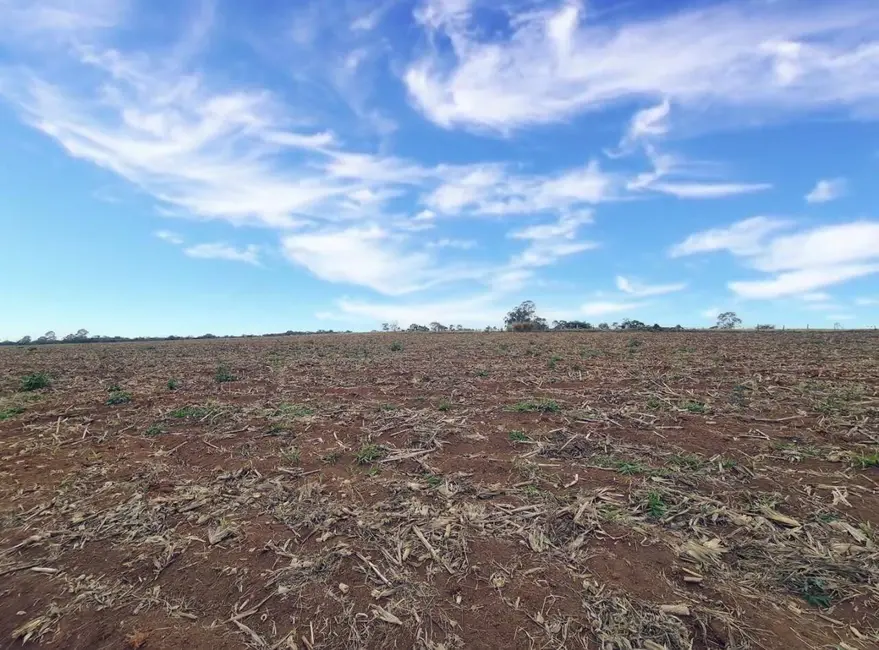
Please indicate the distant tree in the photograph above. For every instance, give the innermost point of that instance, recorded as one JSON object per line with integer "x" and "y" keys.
{"x": 524, "y": 313}
{"x": 415, "y": 327}
{"x": 81, "y": 334}
{"x": 603, "y": 327}
{"x": 437, "y": 327}
{"x": 728, "y": 320}
{"x": 765, "y": 327}
{"x": 48, "y": 337}
{"x": 24, "y": 340}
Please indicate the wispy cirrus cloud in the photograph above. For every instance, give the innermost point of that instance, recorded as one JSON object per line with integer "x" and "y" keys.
{"x": 637, "y": 289}
{"x": 223, "y": 251}
{"x": 553, "y": 63}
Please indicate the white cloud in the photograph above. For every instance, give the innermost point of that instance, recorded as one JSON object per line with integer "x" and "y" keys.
{"x": 476, "y": 311}
{"x": 800, "y": 281}
{"x": 565, "y": 228}
{"x": 742, "y": 238}
{"x": 821, "y": 247}
{"x": 634, "y": 288}
{"x": 711, "y": 313}
{"x": 168, "y": 236}
{"x": 548, "y": 65}
{"x": 836, "y": 317}
{"x": 461, "y": 244}
{"x": 603, "y": 308}
{"x": 818, "y": 296}
{"x": 221, "y": 251}
{"x": 827, "y": 190}
{"x": 648, "y": 123}
{"x": 694, "y": 190}
{"x": 866, "y": 302}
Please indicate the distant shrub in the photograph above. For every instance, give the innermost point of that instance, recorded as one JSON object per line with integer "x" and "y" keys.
{"x": 224, "y": 374}
{"x": 35, "y": 381}
{"x": 765, "y": 327}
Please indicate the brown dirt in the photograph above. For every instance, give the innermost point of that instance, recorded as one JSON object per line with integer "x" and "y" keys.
{"x": 670, "y": 490}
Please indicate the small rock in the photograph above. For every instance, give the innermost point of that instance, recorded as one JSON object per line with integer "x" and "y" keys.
{"x": 344, "y": 588}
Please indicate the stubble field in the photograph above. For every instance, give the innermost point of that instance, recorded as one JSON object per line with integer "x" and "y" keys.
{"x": 561, "y": 490}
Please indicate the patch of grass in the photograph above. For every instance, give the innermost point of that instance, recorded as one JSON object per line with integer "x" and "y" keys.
{"x": 814, "y": 591}
{"x": 553, "y": 361}
{"x": 433, "y": 480}
{"x": 589, "y": 353}
{"x": 728, "y": 463}
{"x": 35, "y": 381}
{"x": 374, "y": 471}
{"x": 292, "y": 455}
{"x": 444, "y": 405}
{"x": 634, "y": 344}
{"x": 293, "y": 411}
{"x": 387, "y": 407}
{"x": 531, "y": 491}
{"x": 628, "y": 468}
{"x": 695, "y": 407}
{"x": 519, "y": 436}
{"x": 656, "y": 507}
{"x": 686, "y": 461}
{"x": 654, "y": 403}
{"x": 863, "y": 461}
{"x": 173, "y": 384}
{"x": 369, "y": 454}
{"x": 191, "y": 412}
{"x": 331, "y": 457}
{"x": 482, "y": 373}
{"x": 154, "y": 430}
{"x": 10, "y": 412}
{"x": 224, "y": 374}
{"x": 396, "y": 346}
{"x": 118, "y": 397}
{"x": 536, "y": 406}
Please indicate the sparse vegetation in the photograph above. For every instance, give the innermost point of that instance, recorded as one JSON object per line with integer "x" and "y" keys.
{"x": 396, "y": 346}
{"x": 173, "y": 384}
{"x": 35, "y": 381}
{"x": 536, "y": 406}
{"x": 519, "y": 436}
{"x": 224, "y": 374}
{"x": 370, "y": 453}
{"x": 118, "y": 397}
{"x": 154, "y": 429}
{"x": 10, "y": 412}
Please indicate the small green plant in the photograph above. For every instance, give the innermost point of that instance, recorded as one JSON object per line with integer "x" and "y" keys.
{"x": 173, "y": 384}
{"x": 627, "y": 468}
{"x": 531, "y": 491}
{"x": 36, "y": 381}
{"x": 224, "y": 374}
{"x": 444, "y": 405}
{"x": 863, "y": 461}
{"x": 656, "y": 507}
{"x": 191, "y": 413}
{"x": 396, "y": 346}
{"x": 695, "y": 407}
{"x": 118, "y": 397}
{"x": 814, "y": 591}
{"x": 634, "y": 344}
{"x": 387, "y": 407}
{"x": 331, "y": 457}
{"x": 10, "y": 412}
{"x": 654, "y": 403}
{"x": 518, "y": 436}
{"x": 536, "y": 406}
{"x": 369, "y": 454}
{"x": 374, "y": 471}
{"x": 293, "y": 411}
{"x": 433, "y": 480}
{"x": 686, "y": 461}
{"x": 482, "y": 373}
{"x": 553, "y": 361}
{"x": 154, "y": 430}
{"x": 728, "y": 463}
{"x": 292, "y": 455}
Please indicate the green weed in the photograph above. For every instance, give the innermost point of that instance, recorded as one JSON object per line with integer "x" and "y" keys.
{"x": 695, "y": 407}
{"x": 331, "y": 457}
{"x": 191, "y": 412}
{"x": 154, "y": 430}
{"x": 292, "y": 455}
{"x": 293, "y": 411}
{"x": 369, "y": 454}
{"x": 118, "y": 397}
{"x": 173, "y": 384}
{"x": 656, "y": 507}
{"x": 10, "y": 412}
{"x": 518, "y": 436}
{"x": 444, "y": 405}
{"x": 36, "y": 381}
{"x": 224, "y": 374}
{"x": 553, "y": 361}
{"x": 863, "y": 461}
{"x": 396, "y": 346}
{"x": 536, "y": 406}
{"x": 433, "y": 480}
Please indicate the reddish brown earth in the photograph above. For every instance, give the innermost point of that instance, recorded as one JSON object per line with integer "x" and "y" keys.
{"x": 557, "y": 490}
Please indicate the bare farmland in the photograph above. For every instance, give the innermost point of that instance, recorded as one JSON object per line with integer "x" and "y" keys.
{"x": 619, "y": 491}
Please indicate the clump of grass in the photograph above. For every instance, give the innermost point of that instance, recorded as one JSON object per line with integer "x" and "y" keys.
{"x": 173, "y": 384}
{"x": 863, "y": 461}
{"x": 10, "y": 412}
{"x": 190, "y": 412}
{"x": 118, "y": 397}
{"x": 654, "y": 403}
{"x": 686, "y": 461}
{"x": 531, "y": 491}
{"x": 331, "y": 457}
{"x": 154, "y": 430}
{"x": 634, "y": 344}
{"x": 628, "y": 468}
{"x": 656, "y": 507}
{"x": 482, "y": 373}
{"x": 695, "y": 407}
{"x": 387, "y": 407}
{"x": 224, "y": 374}
{"x": 369, "y": 454}
{"x": 553, "y": 361}
{"x": 292, "y": 455}
{"x": 536, "y": 406}
{"x": 814, "y": 591}
{"x": 293, "y": 411}
{"x": 433, "y": 480}
{"x": 518, "y": 436}
{"x": 396, "y": 346}
{"x": 444, "y": 405}
{"x": 35, "y": 381}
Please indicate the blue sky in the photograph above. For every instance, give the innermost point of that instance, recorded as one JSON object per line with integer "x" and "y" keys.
{"x": 230, "y": 167}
